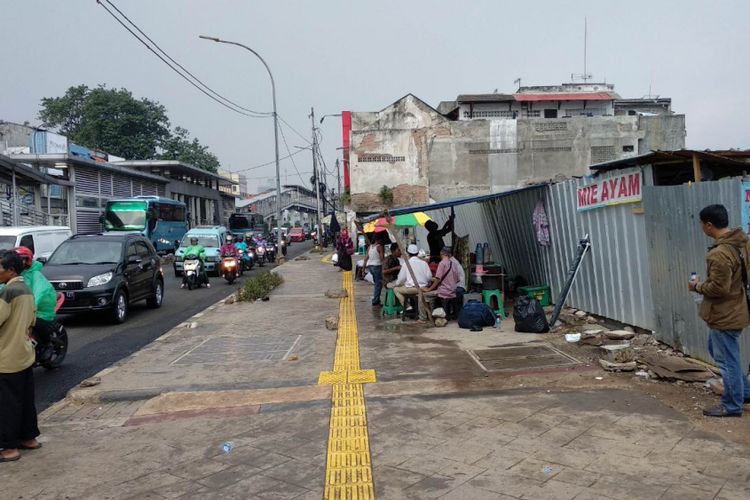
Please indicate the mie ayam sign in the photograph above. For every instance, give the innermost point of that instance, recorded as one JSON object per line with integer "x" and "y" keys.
{"x": 625, "y": 187}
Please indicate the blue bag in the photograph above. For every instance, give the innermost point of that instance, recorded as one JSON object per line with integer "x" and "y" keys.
{"x": 475, "y": 315}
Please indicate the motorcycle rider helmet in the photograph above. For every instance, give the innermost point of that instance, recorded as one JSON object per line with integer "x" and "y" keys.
{"x": 26, "y": 255}
{"x": 193, "y": 240}
{"x": 248, "y": 238}
{"x": 229, "y": 237}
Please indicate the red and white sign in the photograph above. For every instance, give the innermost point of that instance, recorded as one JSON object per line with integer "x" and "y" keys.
{"x": 624, "y": 187}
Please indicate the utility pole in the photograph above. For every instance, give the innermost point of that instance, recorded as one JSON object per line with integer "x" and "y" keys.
{"x": 315, "y": 174}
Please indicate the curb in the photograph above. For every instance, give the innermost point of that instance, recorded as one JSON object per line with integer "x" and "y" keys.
{"x": 83, "y": 395}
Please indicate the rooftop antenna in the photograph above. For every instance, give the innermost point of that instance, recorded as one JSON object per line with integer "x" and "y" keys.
{"x": 518, "y": 82}
{"x": 585, "y": 76}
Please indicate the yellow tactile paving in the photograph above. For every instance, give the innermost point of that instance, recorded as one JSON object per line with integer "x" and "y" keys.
{"x": 348, "y": 468}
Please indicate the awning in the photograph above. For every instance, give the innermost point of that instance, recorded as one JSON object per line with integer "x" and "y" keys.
{"x": 7, "y": 165}
{"x": 657, "y": 158}
{"x": 454, "y": 202}
{"x": 565, "y": 96}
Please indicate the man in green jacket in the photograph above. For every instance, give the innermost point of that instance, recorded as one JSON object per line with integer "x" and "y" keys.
{"x": 197, "y": 249}
{"x": 45, "y": 295}
{"x": 18, "y": 419}
{"x": 724, "y": 307}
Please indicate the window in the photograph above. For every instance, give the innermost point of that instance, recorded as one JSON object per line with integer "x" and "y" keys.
{"x": 28, "y": 242}
{"x": 628, "y": 148}
{"x": 169, "y": 212}
{"x": 132, "y": 250}
{"x": 550, "y": 113}
{"x": 142, "y": 250}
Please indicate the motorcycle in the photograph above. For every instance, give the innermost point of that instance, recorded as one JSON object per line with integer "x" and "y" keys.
{"x": 270, "y": 251}
{"x": 260, "y": 251}
{"x": 247, "y": 260}
{"x": 228, "y": 268}
{"x": 192, "y": 272}
{"x": 51, "y": 354}
{"x": 282, "y": 245}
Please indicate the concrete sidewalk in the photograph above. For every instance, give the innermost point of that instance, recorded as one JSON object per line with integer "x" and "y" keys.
{"x": 445, "y": 419}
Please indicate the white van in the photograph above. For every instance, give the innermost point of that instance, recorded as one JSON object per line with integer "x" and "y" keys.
{"x": 42, "y": 240}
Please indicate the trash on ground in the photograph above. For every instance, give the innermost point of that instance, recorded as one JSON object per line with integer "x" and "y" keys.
{"x": 716, "y": 385}
{"x": 293, "y": 357}
{"x": 91, "y": 382}
{"x": 642, "y": 374}
{"x": 673, "y": 367}
{"x": 529, "y": 316}
{"x": 547, "y": 470}
{"x": 227, "y": 447}
{"x": 617, "y": 367}
{"x": 439, "y": 312}
{"x": 599, "y": 378}
{"x": 337, "y": 294}
{"x": 572, "y": 337}
{"x": 332, "y": 322}
{"x": 441, "y": 322}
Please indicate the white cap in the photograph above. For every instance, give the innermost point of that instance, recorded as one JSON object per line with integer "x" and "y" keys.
{"x": 422, "y": 254}
{"x": 412, "y": 249}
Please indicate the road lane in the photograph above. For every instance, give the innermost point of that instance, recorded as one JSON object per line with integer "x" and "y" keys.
{"x": 95, "y": 343}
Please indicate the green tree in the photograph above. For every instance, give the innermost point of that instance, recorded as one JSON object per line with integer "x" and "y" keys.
{"x": 110, "y": 120}
{"x": 179, "y": 147}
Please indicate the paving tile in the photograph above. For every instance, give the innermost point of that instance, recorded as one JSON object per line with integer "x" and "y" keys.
{"x": 734, "y": 468}
{"x": 504, "y": 482}
{"x": 197, "y": 469}
{"x": 462, "y": 451}
{"x": 261, "y": 487}
{"x": 145, "y": 483}
{"x": 536, "y": 469}
{"x": 426, "y": 465}
{"x": 647, "y": 472}
{"x": 553, "y": 490}
{"x": 299, "y": 473}
{"x": 434, "y": 486}
{"x": 577, "y": 477}
{"x": 390, "y": 482}
{"x": 682, "y": 492}
{"x": 626, "y": 488}
{"x": 251, "y": 456}
{"x": 228, "y": 476}
{"x": 734, "y": 491}
{"x": 468, "y": 492}
{"x": 461, "y": 470}
{"x": 181, "y": 488}
{"x": 501, "y": 458}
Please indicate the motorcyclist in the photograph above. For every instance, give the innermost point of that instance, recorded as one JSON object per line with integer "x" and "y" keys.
{"x": 45, "y": 295}
{"x": 197, "y": 250}
{"x": 242, "y": 245}
{"x": 228, "y": 248}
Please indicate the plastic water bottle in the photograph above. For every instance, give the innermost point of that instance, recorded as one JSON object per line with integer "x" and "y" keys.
{"x": 227, "y": 447}
{"x": 497, "y": 322}
{"x": 698, "y": 298}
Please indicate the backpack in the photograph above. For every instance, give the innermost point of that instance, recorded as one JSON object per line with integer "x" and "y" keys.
{"x": 474, "y": 315}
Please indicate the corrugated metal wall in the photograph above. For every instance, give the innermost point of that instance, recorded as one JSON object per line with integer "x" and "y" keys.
{"x": 677, "y": 247}
{"x": 614, "y": 279}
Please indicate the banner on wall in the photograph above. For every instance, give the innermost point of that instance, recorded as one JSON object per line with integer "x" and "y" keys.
{"x": 623, "y": 186}
{"x": 745, "y": 206}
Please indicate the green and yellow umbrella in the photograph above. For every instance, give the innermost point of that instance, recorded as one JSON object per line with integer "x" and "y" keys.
{"x": 405, "y": 220}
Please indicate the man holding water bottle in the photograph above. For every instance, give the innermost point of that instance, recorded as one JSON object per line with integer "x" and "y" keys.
{"x": 724, "y": 307}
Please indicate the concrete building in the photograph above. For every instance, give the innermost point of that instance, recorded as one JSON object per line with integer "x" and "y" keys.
{"x": 238, "y": 188}
{"x": 208, "y": 196}
{"x": 487, "y": 143}
{"x": 298, "y": 204}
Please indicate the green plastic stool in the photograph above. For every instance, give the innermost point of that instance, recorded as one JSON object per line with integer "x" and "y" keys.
{"x": 391, "y": 306}
{"x": 487, "y": 298}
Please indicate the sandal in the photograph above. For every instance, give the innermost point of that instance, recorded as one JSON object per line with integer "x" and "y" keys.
{"x": 31, "y": 448}
{"x": 14, "y": 459}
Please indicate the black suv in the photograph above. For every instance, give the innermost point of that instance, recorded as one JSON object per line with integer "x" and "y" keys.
{"x": 106, "y": 272}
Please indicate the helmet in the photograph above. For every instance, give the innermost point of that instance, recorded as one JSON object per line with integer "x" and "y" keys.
{"x": 193, "y": 240}
{"x": 248, "y": 237}
{"x": 229, "y": 238}
{"x": 26, "y": 255}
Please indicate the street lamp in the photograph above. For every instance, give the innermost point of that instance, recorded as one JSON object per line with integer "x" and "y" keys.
{"x": 275, "y": 130}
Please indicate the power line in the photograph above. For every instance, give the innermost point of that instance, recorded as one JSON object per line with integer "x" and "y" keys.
{"x": 232, "y": 106}
{"x": 281, "y": 129}
{"x": 270, "y": 162}
{"x": 294, "y": 130}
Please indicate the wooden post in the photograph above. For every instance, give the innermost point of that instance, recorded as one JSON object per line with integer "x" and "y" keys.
{"x": 420, "y": 293}
{"x": 696, "y": 168}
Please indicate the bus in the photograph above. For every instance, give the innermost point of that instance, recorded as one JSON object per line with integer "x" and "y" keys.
{"x": 162, "y": 220}
{"x": 240, "y": 223}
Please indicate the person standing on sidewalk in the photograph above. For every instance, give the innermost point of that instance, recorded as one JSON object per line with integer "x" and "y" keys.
{"x": 18, "y": 419}
{"x": 725, "y": 306}
{"x": 374, "y": 264}
{"x": 344, "y": 250}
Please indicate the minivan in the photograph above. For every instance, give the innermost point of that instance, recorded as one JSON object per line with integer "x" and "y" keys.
{"x": 42, "y": 240}
{"x": 211, "y": 238}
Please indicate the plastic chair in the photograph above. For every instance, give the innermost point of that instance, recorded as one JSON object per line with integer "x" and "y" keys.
{"x": 391, "y": 307}
{"x": 494, "y": 299}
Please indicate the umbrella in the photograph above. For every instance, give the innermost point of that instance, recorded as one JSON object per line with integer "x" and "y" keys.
{"x": 405, "y": 220}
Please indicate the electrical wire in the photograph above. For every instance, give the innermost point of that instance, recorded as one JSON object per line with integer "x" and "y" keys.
{"x": 207, "y": 90}
{"x": 255, "y": 167}
{"x": 294, "y": 130}
{"x": 283, "y": 137}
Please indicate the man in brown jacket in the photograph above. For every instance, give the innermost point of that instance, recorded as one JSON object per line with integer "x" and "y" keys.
{"x": 18, "y": 421}
{"x": 724, "y": 307}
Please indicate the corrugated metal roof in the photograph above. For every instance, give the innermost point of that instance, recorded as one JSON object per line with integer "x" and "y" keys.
{"x": 680, "y": 155}
{"x": 565, "y": 96}
{"x": 485, "y": 98}
{"x": 453, "y": 202}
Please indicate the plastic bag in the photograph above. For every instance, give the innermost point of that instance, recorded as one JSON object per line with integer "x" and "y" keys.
{"x": 369, "y": 278}
{"x": 335, "y": 259}
{"x": 474, "y": 315}
{"x": 529, "y": 316}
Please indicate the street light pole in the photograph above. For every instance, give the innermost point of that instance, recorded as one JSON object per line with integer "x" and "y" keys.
{"x": 275, "y": 131}
{"x": 316, "y": 176}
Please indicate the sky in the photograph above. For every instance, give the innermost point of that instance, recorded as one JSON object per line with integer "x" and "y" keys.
{"x": 337, "y": 55}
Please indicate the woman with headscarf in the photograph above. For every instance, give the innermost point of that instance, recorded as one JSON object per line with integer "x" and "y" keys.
{"x": 345, "y": 250}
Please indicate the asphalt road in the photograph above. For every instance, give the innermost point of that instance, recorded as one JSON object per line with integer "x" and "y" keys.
{"x": 95, "y": 343}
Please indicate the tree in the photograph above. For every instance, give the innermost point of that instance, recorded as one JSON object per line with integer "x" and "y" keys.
{"x": 179, "y": 147}
{"x": 112, "y": 120}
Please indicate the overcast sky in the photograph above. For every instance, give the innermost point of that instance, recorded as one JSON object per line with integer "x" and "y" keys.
{"x": 344, "y": 55}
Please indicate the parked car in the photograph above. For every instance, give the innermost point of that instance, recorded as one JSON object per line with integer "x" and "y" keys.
{"x": 211, "y": 238}
{"x": 42, "y": 240}
{"x": 296, "y": 234}
{"x": 106, "y": 272}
